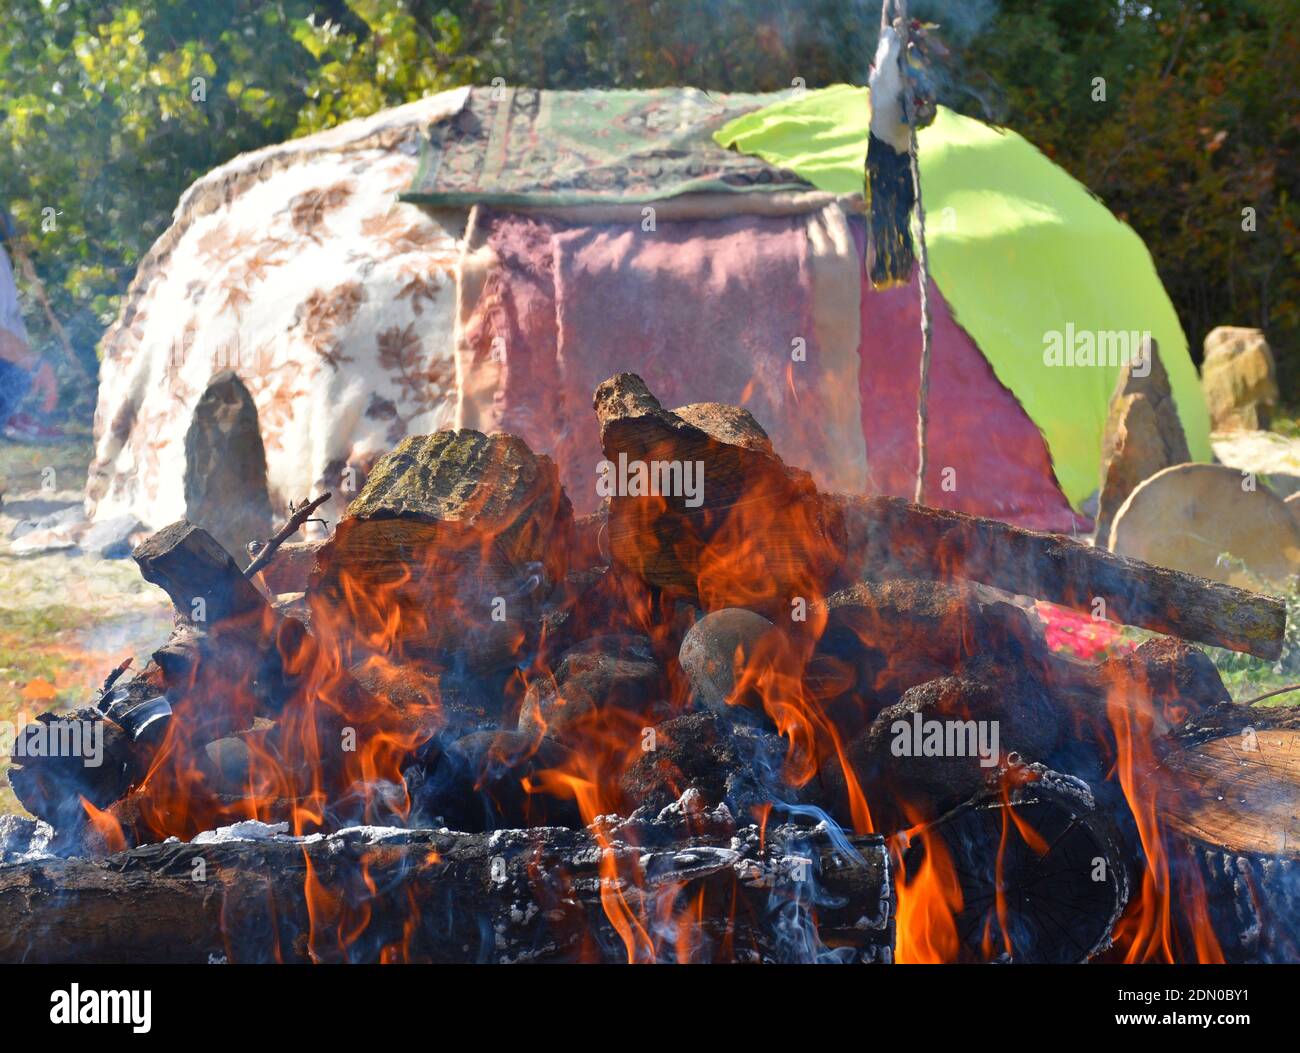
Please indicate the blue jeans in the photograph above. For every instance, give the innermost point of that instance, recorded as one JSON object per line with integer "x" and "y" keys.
{"x": 15, "y": 382}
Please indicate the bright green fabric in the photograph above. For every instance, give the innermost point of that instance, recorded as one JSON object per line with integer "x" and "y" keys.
{"x": 1018, "y": 247}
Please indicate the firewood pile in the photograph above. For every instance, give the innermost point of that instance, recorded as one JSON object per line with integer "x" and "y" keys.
{"x": 726, "y": 718}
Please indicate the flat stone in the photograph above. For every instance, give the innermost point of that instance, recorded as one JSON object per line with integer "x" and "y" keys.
{"x": 111, "y": 538}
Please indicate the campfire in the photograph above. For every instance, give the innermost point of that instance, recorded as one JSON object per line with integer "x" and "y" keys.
{"x": 728, "y": 717}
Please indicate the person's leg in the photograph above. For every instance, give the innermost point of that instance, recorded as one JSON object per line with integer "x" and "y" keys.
{"x": 15, "y": 382}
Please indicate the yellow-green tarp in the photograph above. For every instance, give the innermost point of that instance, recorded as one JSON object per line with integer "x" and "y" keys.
{"x": 1020, "y": 249}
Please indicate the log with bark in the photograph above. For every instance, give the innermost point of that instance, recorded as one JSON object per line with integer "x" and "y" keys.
{"x": 447, "y": 551}
{"x": 1230, "y": 798}
{"x": 711, "y": 893}
{"x": 761, "y": 535}
{"x": 888, "y": 537}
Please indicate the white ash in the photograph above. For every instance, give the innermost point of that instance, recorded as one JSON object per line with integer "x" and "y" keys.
{"x": 24, "y": 840}
{"x": 248, "y": 830}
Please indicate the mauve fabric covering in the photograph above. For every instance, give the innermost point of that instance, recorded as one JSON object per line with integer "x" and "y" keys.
{"x": 704, "y": 311}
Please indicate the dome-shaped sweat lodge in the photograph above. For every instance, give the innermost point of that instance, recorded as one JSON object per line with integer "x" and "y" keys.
{"x": 485, "y": 257}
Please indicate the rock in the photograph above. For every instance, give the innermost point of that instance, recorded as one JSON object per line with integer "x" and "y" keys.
{"x": 1293, "y": 503}
{"x": 1274, "y": 458}
{"x": 66, "y": 519}
{"x": 1187, "y": 516}
{"x": 111, "y": 538}
{"x": 714, "y": 649}
{"x": 601, "y": 673}
{"x": 225, "y": 468}
{"x": 1143, "y": 433}
{"x": 39, "y": 542}
{"x": 1239, "y": 378}
{"x": 57, "y": 530}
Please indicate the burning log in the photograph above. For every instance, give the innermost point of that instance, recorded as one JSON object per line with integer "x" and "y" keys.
{"x": 702, "y": 507}
{"x": 892, "y": 635}
{"x": 708, "y": 755}
{"x": 95, "y": 761}
{"x": 889, "y": 537}
{"x": 524, "y": 896}
{"x": 202, "y": 579}
{"x": 1035, "y": 871}
{"x": 754, "y": 533}
{"x": 291, "y": 569}
{"x": 449, "y": 547}
{"x": 938, "y": 745}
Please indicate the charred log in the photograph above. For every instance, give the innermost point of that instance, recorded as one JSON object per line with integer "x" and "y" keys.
{"x": 526, "y": 895}
{"x": 1042, "y": 872}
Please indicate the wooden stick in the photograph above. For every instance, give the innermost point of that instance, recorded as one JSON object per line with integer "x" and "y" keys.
{"x": 888, "y": 537}
{"x": 1271, "y": 694}
{"x": 300, "y": 516}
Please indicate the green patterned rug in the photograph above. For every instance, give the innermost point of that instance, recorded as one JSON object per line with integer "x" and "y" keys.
{"x": 516, "y": 147}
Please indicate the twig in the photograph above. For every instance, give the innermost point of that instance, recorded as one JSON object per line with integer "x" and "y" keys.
{"x": 37, "y": 289}
{"x": 1269, "y": 694}
{"x": 299, "y": 516}
{"x": 114, "y": 676}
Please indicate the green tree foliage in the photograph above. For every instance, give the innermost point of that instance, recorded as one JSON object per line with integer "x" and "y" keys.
{"x": 99, "y": 119}
{"x": 109, "y": 110}
{"x": 1200, "y": 121}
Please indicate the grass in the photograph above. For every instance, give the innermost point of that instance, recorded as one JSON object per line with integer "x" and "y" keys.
{"x": 60, "y": 466}
{"x": 1246, "y": 677}
{"x": 1286, "y": 423}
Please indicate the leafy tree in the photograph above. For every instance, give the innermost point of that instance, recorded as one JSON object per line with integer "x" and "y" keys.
{"x": 396, "y": 58}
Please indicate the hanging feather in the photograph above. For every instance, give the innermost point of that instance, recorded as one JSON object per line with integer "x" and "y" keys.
{"x": 902, "y": 100}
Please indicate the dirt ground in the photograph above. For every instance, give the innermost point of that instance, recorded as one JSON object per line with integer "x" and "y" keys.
{"x": 65, "y": 620}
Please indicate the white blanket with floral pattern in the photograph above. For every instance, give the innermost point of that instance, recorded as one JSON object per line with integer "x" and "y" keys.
{"x": 297, "y": 267}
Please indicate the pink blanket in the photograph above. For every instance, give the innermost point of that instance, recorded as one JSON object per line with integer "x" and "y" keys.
{"x": 715, "y": 310}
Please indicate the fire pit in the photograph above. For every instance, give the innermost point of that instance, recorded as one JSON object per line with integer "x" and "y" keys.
{"x": 726, "y": 718}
